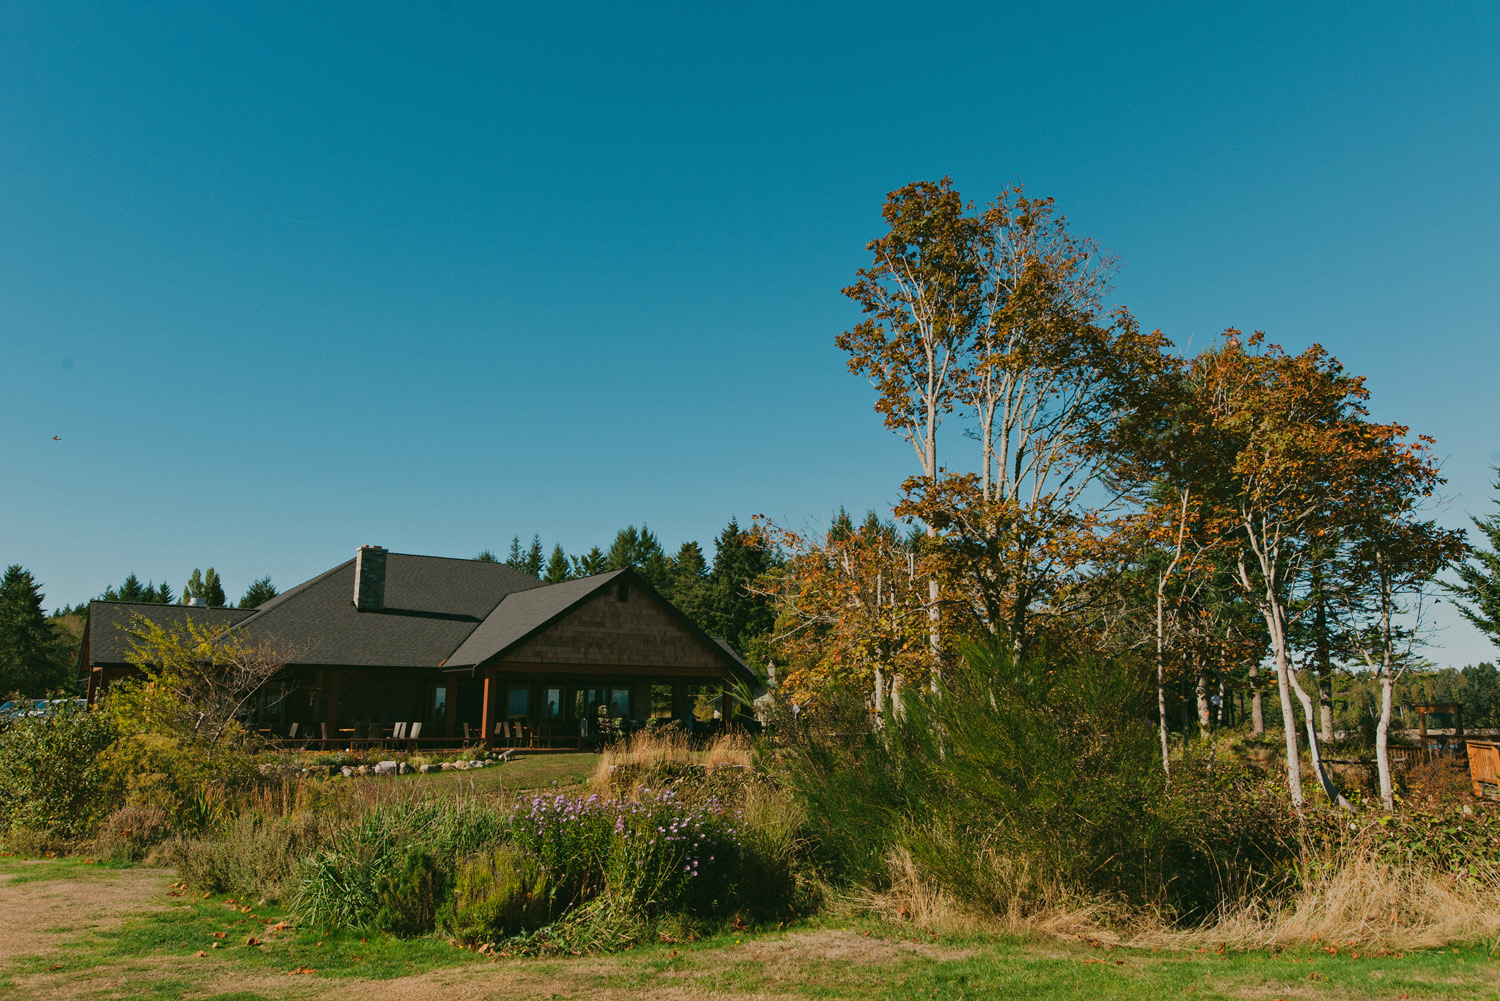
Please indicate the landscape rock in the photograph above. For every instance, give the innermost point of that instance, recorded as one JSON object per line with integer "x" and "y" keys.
{"x": 385, "y": 768}
{"x": 459, "y": 766}
{"x": 362, "y": 770}
{"x": 424, "y": 769}
{"x": 403, "y": 769}
{"x": 347, "y": 772}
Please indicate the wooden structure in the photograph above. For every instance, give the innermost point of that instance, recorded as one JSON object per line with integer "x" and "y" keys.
{"x": 1484, "y": 768}
{"x": 1453, "y": 709}
{"x": 467, "y": 651}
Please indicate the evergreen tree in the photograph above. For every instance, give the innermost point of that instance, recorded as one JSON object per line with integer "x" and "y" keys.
{"x": 515, "y": 557}
{"x": 640, "y": 550}
{"x": 206, "y": 587}
{"x": 29, "y": 662}
{"x": 731, "y": 609}
{"x": 133, "y": 590}
{"x": 259, "y": 592}
{"x": 557, "y": 567}
{"x": 487, "y": 556}
{"x": 532, "y": 563}
{"x": 1478, "y": 587}
{"x": 591, "y": 563}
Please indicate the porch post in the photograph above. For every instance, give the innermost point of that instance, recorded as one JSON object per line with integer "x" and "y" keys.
{"x": 450, "y": 712}
{"x": 331, "y": 696}
{"x": 489, "y": 716}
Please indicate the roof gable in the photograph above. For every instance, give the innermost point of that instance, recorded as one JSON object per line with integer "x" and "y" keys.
{"x": 582, "y": 622}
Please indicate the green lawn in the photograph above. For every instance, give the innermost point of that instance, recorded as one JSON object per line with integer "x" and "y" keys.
{"x": 536, "y": 771}
{"x": 152, "y": 952}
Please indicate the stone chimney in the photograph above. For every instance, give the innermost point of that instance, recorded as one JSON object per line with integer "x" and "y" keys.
{"x": 369, "y": 578}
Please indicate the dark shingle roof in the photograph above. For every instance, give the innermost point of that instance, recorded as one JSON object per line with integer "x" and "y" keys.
{"x": 110, "y": 621}
{"x": 431, "y": 604}
{"x": 438, "y": 611}
{"x": 519, "y": 615}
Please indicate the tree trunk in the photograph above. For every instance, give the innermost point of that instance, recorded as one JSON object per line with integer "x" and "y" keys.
{"x": 1325, "y": 705}
{"x": 1319, "y": 769}
{"x": 1257, "y": 705}
{"x": 1325, "y": 667}
{"x": 1382, "y": 743}
{"x": 1205, "y": 719}
{"x": 879, "y": 695}
{"x": 1161, "y": 686}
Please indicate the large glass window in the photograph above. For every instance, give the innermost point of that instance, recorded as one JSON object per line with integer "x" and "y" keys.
{"x": 438, "y": 704}
{"x": 517, "y": 701}
{"x": 619, "y": 702}
{"x": 705, "y": 701}
{"x": 552, "y": 703}
{"x": 661, "y": 701}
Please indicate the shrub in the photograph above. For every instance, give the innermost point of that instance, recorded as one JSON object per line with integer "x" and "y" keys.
{"x": 350, "y": 882}
{"x": 249, "y": 857}
{"x": 52, "y": 783}
{"x": 411, "y": 894}
{"x": 161, "y": 770}
{"x": 1020, "y": 784}
{"x": 500, "y": 893}
{"x": 131, "y": 832}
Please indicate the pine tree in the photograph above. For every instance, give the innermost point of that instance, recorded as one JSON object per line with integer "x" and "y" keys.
{"x": 591, "y": 563}
{"x": 1478, "y": 587}
{"x": 259, "y": 592}
{"x": 487, "y": 556}
{"x": 641, "y": 551}
{"x": 28, "y": 656}
{"x": 532, "y": 562}
{"x": 557, "y": 567}
{"x": 515, "y": 557}
{"x": 732, "y": 611}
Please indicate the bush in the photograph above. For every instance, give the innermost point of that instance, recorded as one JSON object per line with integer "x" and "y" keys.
{"x": 51, "y": 782}
{"x": 1018, "y": 785}
{"x": 249, "y": 857}
{"x": 178, "y": 777}
{"x": 353, "y": 881}
{"x": 499, "y": 893}
{"x": 131, "y": 832}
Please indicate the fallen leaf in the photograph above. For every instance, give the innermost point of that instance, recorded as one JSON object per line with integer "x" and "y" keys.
{"x": 252, "y": 940}
{"x": 219, "y": 934}
{"x": 200, "y": 952}
{"x": 300, "y": 969}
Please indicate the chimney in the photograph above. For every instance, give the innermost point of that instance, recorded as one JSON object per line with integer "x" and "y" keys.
{"x": 369, "y": 578}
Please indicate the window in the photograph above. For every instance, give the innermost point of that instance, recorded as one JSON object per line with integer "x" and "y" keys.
{"x": 552, "y": 703}
{"x": 661, "y": 701}
{"x": 705, "y": 701}
{"x": 619, "y": 702}
{"x": 622, "y": 591}
{"x": 517, "y": 701}
{"x": 438, "y": 704}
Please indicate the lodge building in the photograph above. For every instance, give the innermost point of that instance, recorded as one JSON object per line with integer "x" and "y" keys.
{"x": 462, "y": 646}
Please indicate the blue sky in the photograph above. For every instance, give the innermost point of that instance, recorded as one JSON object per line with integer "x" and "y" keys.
{"x": 287, "y": 279}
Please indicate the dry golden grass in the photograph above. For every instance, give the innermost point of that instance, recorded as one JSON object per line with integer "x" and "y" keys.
{"x": 1360, "y": 901}
{"x": 1364, "y": 900}
{"x": 654, "y": 753}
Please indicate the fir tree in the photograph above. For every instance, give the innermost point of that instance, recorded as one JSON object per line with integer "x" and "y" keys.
{"x": 487, "y": 556}
{"x": 1478, "y": 587}
{"x": 558, "y": 569}
{"x": 591, "y": 563}
{"x": 259, "y": 592}
{"x": 532, "y": 562}
{"x": 29, "y": 662}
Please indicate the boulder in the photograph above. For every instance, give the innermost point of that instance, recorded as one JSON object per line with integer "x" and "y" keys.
{"x": 385, "y": 768}
{"x": 403, "y": 769}
{"x": 460, "y": 766}
{"x": 362, "y": 770}
{"x": 424, "y": 769}
{"x": 347, "y": 772}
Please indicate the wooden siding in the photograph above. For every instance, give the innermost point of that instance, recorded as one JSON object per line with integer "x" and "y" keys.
{"x": 607, "y": 632}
